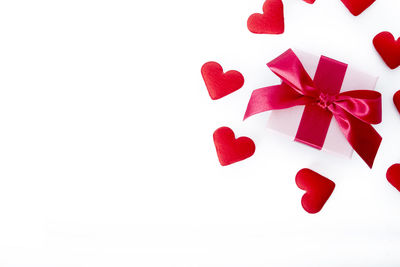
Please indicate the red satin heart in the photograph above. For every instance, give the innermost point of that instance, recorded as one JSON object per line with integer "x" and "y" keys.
{"x": 309, "y": 1}
{"x": 388, "y": 48}
{"x": 231, "y": 150}
{"x": 318, "y": 189}
{"x": 356, "y": 7}
{"x": 396, "y": 100}
{"x": 218, "y": 83}
{"x": 271, "y": 21}
{"x": 393, "y": 176}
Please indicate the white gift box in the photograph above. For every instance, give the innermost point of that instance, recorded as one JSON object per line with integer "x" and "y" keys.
{"x": 287, "y": 121}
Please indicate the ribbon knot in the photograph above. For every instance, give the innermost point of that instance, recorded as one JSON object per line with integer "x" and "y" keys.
{"x": 325, "y": 100}
{"x": 354, "y": 111}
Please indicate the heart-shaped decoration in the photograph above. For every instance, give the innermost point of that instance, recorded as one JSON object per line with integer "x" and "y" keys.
{"x": 218, "y": 83}
{"x": 231, "y": 150}
{"x": 356, "y": 7}
{"x": 309, "y": 1}
{"x": 271, "y": 21}
{"x": 318, "y": 189}
{"x": 388, "y": 48}
{"x": 393, "y": 176}
{"x": 396, "y": 100}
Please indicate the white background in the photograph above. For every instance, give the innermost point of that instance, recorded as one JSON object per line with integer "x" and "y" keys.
{"x": 106, "y": 152}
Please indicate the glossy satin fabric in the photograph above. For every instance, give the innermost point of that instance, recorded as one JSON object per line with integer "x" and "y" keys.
{"x": 354, "y": 111}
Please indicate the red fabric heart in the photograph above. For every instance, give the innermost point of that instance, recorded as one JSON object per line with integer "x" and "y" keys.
{"x": 356, "y": 7}
{"x": 388, "y": 48}
{"x": 318, "y": 189}
{"x": 218, "y": 83}
{"x": 231, "y": 150}
{"x": 309, "y": 1}
{"x": 271, "y": 21}
{"x": 393, "y": 175}
{"x": 396, "y": 100}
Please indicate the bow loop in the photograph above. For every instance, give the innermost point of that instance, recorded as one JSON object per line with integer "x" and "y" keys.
{"x": 362, "y": 104}
{"x": 291, "y": 71}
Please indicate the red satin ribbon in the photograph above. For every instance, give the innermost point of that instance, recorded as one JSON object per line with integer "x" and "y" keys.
{"x": 354, "y": 111}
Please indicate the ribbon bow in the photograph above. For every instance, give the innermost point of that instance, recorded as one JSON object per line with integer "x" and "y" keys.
{"x": 354, "y": 111}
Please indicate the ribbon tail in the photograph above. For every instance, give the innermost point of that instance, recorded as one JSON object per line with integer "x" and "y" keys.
{"x": 364, "y": 139}
{"x": 274, "y": 97}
